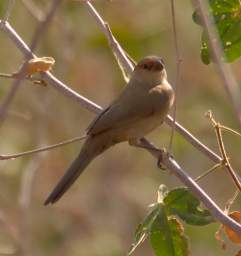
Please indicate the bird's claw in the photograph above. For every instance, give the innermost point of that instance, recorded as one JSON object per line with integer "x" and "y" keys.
{"x": 163, "y": 154}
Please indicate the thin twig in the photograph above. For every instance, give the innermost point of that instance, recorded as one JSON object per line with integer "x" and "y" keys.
{"x": 41, "y": 149}
{"x": 216, "y": 166}
{"x": 10, "y": 6}
{"x": 28, "y": 78}
{"x": 227, "y": 129}
{"x": 222, "y": 150}
{"x": 231, "y": 201}
{"x": 225, "y": 72}
{"x": 178, "y": 69}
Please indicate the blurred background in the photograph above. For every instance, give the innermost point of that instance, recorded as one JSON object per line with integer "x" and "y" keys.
{"x": 99, "y": 214}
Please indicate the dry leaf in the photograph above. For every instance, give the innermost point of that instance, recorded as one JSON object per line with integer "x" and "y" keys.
{"x": 232, "y": 235}
{"x": 36, "y": 65}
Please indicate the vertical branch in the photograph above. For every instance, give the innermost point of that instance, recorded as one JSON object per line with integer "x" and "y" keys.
{"x": 229, "y": 82}
{"x": 26, "y": 187}
{"x": 178, "y": 67}
{"x": 24, "y": 203}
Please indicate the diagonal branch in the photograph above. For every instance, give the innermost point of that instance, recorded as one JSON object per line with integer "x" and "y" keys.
{"x": 91, "y": 106}
{"x": 170, "y": 164}
{"x": 174, "y": 167}
{"x": 115, "y": 47}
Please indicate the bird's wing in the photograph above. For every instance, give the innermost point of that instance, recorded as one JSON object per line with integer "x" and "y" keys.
{"x": 125, "y": 110}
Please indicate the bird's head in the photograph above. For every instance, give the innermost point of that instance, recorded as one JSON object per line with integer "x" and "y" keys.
{"x": 150, "y": 70}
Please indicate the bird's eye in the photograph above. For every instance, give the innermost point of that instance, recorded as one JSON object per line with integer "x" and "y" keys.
{"x": 145, "y": 66}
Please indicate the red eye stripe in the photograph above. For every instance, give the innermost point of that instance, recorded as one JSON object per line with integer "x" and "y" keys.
{"x": 147, "y": 64}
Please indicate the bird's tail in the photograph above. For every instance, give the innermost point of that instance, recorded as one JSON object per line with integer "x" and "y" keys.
{"x": 91, "y": 148}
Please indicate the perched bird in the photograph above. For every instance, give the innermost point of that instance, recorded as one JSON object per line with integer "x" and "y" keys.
{"x": 140, "y": 108}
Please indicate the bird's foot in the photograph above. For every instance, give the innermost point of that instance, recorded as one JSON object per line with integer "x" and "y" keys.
{"x": 163, "y": 155}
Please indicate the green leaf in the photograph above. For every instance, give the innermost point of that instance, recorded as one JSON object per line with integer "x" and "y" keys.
{"x": 182, "y": 203}
{"x": 143, "y": 229}
{"x": 227, "y": 18}
{"x": 167, "y": 237}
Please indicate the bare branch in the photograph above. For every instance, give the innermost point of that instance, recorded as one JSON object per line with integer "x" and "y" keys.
{"x": 178, "y": 69}
{"x": 42, "y": 149}
{"x": 225, "y": 72}
{"x": 91, "y": 106}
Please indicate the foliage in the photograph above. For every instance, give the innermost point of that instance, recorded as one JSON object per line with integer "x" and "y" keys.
{"x": 161, "y": 225}
{"x": 227, "y": 18}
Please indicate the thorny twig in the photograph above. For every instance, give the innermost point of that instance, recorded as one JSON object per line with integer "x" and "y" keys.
{"x": 225, "y": 162}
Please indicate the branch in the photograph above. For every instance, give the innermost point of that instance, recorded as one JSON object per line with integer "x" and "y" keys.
{"x": 41, "y": 149}
{"x": 174, "y": 167}
{"x": 91, "y": 106}
{"x": 178, "y": 69}
{"x": 16, "y": 84}
{"x": 222, "y": 150}
{"x": 95, "y": 108}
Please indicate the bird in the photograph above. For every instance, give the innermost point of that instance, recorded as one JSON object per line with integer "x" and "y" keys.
{"x": 141, "y": 107}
